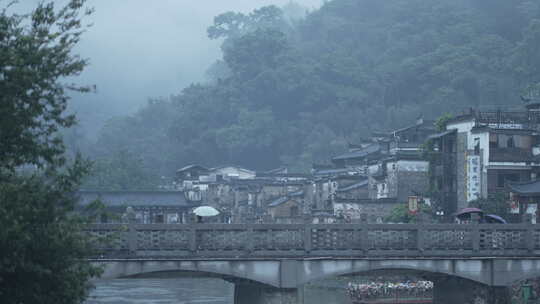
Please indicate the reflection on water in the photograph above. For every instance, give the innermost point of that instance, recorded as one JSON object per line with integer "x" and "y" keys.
{"x": 197, "y": 291}
{"x": 328, "y": 291}
{"x": 162, "y": 291}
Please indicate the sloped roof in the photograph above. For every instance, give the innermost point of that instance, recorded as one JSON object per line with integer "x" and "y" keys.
{"x": 371, "y": 149}
{"x": 239, "y": 168}
{"x": 439, "y": 135}
{"x": 279, "y": 201}
{"x": 361, "y": 184}
{"x": 531, "y": 188}
{"x": 192, "y": 166}
{"x": 296, "y": 193}
{"x": 426, "y": 125}
{"x": 332, "y": 171}
{"x": 286, "y": 198}
{"x": 134, "y": 198}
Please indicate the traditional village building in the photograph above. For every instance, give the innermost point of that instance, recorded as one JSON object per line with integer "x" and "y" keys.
{"x": 442, "y": 156}
{"x": 232, "y": 172}
{"x": 394, "y": 168}
{"x": 242, "y": 195}
{"x": 288, "y": 209}
{"x": 359, "y": 157}
{"x": 145, "y": 207}
{"x": 357, "y": 190}
{"x": 351, "y": 210}
{"x": 191, "y": 173}
{"x": 481, "y": 152}
{"x": 524, "y": 199}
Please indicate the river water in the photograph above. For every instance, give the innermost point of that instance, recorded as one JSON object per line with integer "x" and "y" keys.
{"x": 192, "y": 291}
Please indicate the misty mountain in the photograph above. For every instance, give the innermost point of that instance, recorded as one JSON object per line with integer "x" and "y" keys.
{"x": 296, "y": 92}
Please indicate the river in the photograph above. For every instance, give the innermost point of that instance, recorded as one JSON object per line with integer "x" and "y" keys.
{"x": 191, "y": 291}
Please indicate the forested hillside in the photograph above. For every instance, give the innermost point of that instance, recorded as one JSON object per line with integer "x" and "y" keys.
{"x": 293, "y": 92}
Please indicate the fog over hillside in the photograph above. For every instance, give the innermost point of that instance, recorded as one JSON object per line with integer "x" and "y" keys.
{"x": 139, "y": 51}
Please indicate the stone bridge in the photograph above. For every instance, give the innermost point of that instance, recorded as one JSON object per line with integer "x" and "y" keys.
{"x": 269, "y": 263}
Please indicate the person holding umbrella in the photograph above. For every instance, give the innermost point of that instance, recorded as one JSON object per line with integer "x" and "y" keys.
{"x": 464, "y": 216}
{"x": 204, "y": 211}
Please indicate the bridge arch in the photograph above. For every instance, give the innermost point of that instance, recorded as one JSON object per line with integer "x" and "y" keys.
{"x": 293, "y": 273}
{"x": 263, "y": 272}
{"x": 465, "y": 269}
{"x": 514, "y": 270}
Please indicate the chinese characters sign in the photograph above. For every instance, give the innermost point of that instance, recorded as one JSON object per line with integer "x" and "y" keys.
{"x": 473, "y": 177}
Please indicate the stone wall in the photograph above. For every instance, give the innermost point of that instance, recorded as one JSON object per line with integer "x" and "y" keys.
{"x": 411, "y": 183}
{"x": 285, "y": 209}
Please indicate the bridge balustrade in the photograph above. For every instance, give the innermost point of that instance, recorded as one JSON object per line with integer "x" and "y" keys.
{"x": 314, "y": 240}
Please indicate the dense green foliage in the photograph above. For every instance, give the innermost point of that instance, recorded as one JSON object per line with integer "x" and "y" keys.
{"x": 496, "y": 204}
{"x": 293, "y": 93}
{"x": 42, "y": 246}
{"x": 400, "y": 214}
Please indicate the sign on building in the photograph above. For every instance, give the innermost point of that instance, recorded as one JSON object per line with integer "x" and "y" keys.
{"x": 413, "y": 204}
{"x": 473, "y": 177}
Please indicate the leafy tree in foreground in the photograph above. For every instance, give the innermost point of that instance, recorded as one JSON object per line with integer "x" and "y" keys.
{"x": 42, "y": 246}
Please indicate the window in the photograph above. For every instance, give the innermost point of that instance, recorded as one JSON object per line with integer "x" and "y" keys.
{"x": 294, "y": 211}
{"x": 450, "y": 146}
{"x": 510, "y": 142}
{"x": 493, "y": 141}
{"x": 503, "y": 178}
{"x": 477, "y": 146}
{"x": 159, "y": 218}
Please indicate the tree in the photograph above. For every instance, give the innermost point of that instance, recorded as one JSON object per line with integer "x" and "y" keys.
{"x": 35, "y": 59}
{"x": 441, "y": 121}
{"x": 43, "y": 246}
{"x": 496, "y": 204}
{"x": 400, "y": 213}
{"x": 122, "y": 171}
{"x": 345, "y": 70}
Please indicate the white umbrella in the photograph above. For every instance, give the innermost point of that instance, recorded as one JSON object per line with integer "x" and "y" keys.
{"x": 205, "y": 211}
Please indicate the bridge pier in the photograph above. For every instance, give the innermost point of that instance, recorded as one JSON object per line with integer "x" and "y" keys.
{"x": 254, "y": 293}
{"x": 452, "y": 290}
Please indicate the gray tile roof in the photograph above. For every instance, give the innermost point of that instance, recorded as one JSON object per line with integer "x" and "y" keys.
{"x": 359, "y": 153}
{"x": 531, "y": 188}
{"x": 286, "y": 198}
{"x": 135, "y": 198}
{"x": 192, "y": 166}
{"x": 361, "y": 184}
{"x": 439, "y": 135}
{"x": 278, "y": 201}
{"x": 331, "y": 171}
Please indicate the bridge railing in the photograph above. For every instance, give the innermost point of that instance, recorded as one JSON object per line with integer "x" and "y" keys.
{"x": 317, "y": 240}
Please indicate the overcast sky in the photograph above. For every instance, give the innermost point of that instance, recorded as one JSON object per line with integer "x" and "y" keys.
{"x": 140, "y": 48}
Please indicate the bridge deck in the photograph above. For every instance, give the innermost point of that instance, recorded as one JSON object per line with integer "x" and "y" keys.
{"x": 315, "y": 241}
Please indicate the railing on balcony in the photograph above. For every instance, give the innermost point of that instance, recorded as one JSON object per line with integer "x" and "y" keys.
{"x": 508, "y": 118}
{"x": 314, "y": 240}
